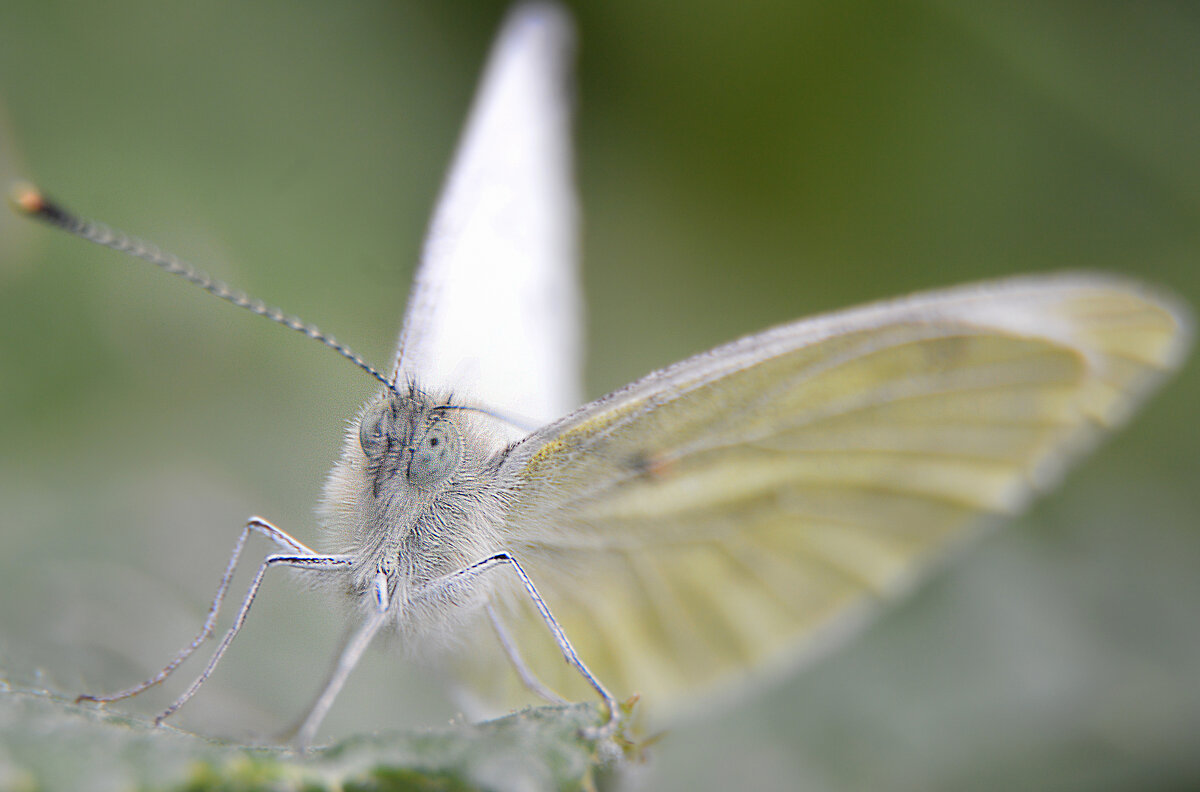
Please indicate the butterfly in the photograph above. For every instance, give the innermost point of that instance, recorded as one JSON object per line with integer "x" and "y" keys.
{"x": 736, "y": 511}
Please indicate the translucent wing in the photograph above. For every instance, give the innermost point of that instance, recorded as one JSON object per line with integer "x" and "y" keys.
{"x": 494, "y": 314}
{"x": 736, "y": 509}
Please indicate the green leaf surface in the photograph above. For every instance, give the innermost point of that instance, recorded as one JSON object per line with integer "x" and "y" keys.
{"x": 49, "y": 743}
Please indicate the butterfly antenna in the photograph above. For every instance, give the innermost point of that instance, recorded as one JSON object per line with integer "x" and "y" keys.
{"x": 28, "y": 200}
{"x": 524, "y": 424}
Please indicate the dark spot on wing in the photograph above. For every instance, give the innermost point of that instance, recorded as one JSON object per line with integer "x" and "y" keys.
{"x": 652, "y": 466}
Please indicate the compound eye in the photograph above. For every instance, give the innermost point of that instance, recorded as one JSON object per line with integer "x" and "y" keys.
{"x": 435, "y": 454}
{"x": 373, "y": 428}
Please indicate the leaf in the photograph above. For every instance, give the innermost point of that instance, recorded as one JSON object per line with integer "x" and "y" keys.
{"x": 49, "y": 743}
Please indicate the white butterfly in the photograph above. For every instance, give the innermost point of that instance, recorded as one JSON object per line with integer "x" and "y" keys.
{"x": 736, "y": 510}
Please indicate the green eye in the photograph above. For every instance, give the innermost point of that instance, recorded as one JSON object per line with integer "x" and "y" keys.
{"x": 373, "y": 428}
{"x": 435, "y": 454}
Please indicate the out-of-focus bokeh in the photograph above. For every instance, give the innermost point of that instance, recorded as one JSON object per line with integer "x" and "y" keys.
{"x": 740, "y": 165}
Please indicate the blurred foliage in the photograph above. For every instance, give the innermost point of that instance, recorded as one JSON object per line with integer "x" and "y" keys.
{"x": 740, "y": 166}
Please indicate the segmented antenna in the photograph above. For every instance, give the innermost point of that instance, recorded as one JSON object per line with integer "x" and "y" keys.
{"x": 29, "y": 201}
{"x": 524, "y": 424}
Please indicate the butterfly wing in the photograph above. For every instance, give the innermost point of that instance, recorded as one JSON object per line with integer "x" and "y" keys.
{"x": 735, "y": 510}
{"x": 494, "y": 313}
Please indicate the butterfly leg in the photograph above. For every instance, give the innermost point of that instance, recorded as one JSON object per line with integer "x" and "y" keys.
{"x": 347, "y": 660}
{"x": 305, "y": 561}
{"x": 514, "y": 656}
{"x": 463, "y": 578}
{"x": 253, "y": 525}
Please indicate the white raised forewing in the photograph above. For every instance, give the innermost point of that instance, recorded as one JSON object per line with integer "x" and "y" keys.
{"x": 734, "y": 510}
{"x": 495, "y": 314}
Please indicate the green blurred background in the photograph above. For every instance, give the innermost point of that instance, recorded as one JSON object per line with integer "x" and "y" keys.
{"x": 740, "y": 166}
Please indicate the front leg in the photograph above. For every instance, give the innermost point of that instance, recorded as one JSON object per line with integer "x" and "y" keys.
{"x": 296, "y": 553}
{"x": 465, "y": 578}
{"x": 313, "y": 562}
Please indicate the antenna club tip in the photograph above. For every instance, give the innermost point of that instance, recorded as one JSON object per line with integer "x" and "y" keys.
{"x": 26, "y": 199}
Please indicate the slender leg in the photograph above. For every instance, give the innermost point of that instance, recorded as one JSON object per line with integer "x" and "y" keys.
{"x": 347, "y": 660}
{"x": 346, "y": 663}
{"x": 463, "y": 579}
{"x": 306, "y": 561}
{"x": 525, "y": 672}
{"x": 254, "y": 524}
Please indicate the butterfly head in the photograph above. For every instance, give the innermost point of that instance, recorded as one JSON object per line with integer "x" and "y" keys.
{"x": 410, "y": 440}
{"x": 415, "y": 492}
